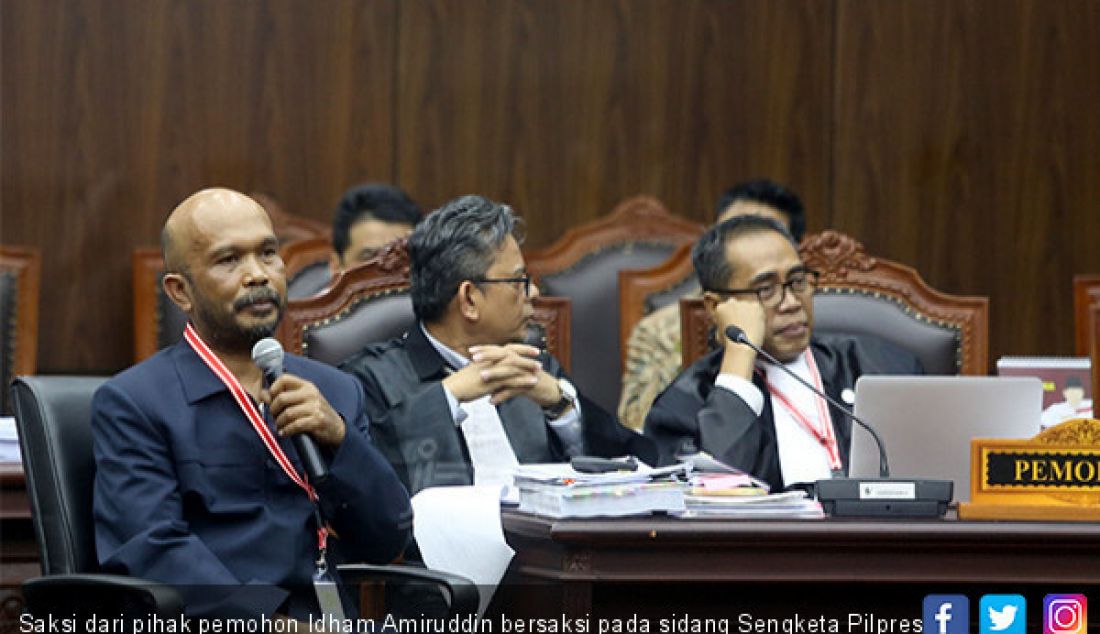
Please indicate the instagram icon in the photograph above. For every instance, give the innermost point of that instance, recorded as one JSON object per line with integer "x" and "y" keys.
{"x": 1065, "y": 614}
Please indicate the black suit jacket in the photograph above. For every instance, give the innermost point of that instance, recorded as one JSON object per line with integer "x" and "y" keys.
{"x": 411, "y": 421}
{"x": 692, "y": 414}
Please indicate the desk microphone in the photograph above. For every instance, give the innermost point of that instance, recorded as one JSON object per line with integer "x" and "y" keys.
{"x": 737, "y": 335}
{"x": 883, "y": 497}
{"x": 268, "y": 355}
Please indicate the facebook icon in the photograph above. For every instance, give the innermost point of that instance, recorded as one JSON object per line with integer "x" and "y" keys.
{"x": 946, "y": 614}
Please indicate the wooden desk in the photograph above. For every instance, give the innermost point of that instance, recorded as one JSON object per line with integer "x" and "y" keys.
{"x": 13, "y": 492}
{"x": 586, "y": 557}
{"x": 18, "y": 549}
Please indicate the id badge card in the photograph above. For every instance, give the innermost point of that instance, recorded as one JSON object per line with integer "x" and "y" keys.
{"x": 328, "y": 597}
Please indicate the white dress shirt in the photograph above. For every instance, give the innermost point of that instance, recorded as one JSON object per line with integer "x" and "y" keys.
{"x": 802, "y": 458}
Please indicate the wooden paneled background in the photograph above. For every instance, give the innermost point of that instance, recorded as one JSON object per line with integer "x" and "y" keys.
{"x": 959, "y": 136}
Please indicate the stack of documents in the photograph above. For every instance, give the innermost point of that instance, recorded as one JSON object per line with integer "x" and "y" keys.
{"x": 557, "y": 490}
{"x": 753, "y": 503}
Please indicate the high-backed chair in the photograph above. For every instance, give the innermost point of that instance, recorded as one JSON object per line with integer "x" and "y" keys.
{"x": 370, "y": 302}
{"x": 645, "y": 290}
{"x": 290, "y": 227}
{"x": 863, "y": 295}
{"x": 1086, "y": 292}
{"x": 20, "y": 273}
{"x": 375, "y": 292}
{"x": 584, "y": 264}
{"x": 158, "y": 322}
{"x": 53, "y": 414}
{"x": 305, "y": 247}
{"x": 308, "y": 267}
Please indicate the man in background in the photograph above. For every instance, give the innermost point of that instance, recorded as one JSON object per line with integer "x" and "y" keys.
{"x": 369, "y": 217}
{"x": 653, "y": 351}
{"x": 749, "y": 413}
{"x": 459, "y": 399}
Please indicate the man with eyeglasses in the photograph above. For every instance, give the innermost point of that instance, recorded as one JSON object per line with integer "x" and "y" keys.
{"x": 460, "y": 399}
{"x": 744, "y": 411}
{"x": 653, "y": 349}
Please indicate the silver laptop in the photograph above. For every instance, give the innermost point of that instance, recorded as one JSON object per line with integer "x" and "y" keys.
{"x": 927, "y": 422}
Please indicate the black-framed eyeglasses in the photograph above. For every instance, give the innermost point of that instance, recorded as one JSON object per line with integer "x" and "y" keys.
{"x": 525, "y": 280}
{"x": 801, "y": 284}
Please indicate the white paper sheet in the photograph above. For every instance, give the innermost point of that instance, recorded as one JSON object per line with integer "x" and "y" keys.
{"x": 9, "y": 441}
{"x": 490, "y": 452}
{"x": 458, "y": 531}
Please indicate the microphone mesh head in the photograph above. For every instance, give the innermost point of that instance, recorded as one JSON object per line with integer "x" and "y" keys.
{"x": 268, "y": 353}
{"x": 735, "y": 334}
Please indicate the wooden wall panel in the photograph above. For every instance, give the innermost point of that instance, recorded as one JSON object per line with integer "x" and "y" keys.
{"x": 565, "y": 108}
{"x": 967, "y": 144}
{"x": 958, "y": 136}
{"x": 115, "y": 110}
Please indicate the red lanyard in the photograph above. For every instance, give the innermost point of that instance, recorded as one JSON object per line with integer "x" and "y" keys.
{"x": 825, "y": 436}
{"x": 252, "y": 413}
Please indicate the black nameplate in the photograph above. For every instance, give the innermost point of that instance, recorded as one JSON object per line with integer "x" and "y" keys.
{"x": 1042, "y": 469}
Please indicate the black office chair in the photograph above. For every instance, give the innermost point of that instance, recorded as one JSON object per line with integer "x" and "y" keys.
{"x": 53, "y": 416}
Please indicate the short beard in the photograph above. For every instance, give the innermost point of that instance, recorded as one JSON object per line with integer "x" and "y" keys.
{"x": 225, "y": 334}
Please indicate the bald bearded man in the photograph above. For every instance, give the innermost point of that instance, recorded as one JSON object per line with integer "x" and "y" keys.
{"x": 197, "y": 483}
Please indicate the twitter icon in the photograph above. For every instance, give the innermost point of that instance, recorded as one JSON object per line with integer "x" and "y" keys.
{"x": 1002, "y": 614}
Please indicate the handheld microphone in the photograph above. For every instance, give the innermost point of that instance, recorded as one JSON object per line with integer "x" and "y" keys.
{"x": 737, "y": 335}
{"x": 858, "y": 498}
{"x": 268, "y": 355}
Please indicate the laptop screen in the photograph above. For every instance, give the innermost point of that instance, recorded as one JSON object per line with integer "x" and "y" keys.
{"x": 927, "y": 422}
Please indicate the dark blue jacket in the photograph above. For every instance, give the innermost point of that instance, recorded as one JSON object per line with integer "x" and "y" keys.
{"x": 186, "y": 493}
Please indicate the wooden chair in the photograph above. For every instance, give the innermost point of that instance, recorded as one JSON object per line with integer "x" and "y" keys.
{"x": 158, "y": 322}
{"x": 860, "y": 294}
{"x": 370, "y": 302}
{"x": 1086, "y": 292}
{"x": 643, "y": 291}
{"x": 308, "y": 266}
{"x": 20, "y": 276}
{"x": 290, "y": 227}
{"x": 583, "y": 265}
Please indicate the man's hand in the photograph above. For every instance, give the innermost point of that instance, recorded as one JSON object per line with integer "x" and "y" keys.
{"x": 544, "y": 390}
{"x": 298, "y": 407}
{"x": 503, "y": 371}
{"x": 748, "y": 315}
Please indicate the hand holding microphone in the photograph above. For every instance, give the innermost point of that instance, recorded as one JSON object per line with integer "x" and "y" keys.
{"x": 299, "y": 409}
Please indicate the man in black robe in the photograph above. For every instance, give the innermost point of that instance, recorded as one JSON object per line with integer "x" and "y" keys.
{"x": 459, "y": 399}
{"x": 742, "y": 410}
